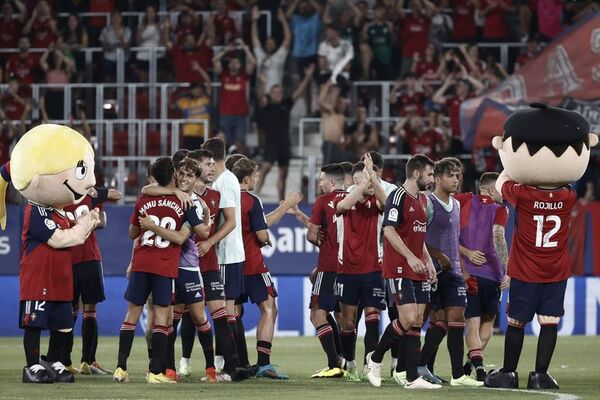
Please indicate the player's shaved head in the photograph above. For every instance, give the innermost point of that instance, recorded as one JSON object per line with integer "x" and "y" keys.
{"x": 162, "y": 170}
{"x": 335, "y": 172}
{"x": 488, "y": 179}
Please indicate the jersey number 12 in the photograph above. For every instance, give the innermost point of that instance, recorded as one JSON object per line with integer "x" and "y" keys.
{"x": 543, "y": 239}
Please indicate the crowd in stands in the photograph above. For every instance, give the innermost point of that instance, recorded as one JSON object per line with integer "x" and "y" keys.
{"x": 316, "y": 51}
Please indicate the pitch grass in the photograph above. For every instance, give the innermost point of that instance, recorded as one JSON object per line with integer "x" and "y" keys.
{"x": 575, "y": 366}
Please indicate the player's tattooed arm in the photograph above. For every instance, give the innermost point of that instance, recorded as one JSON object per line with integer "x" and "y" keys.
{"x": 500, "y": 245}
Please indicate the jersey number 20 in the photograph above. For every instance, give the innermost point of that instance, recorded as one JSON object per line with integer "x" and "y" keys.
{"x": 543, "y": 239}
{"x": 151, "y": 239}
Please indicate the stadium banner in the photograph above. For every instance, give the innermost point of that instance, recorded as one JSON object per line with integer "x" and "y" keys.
{"x": 582, "y": 308}
{"x": 565, "y": 74}
{"x": 291, "y": 253}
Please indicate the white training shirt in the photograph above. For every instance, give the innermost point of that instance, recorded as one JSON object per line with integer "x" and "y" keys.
{"x": 231, "y": 248}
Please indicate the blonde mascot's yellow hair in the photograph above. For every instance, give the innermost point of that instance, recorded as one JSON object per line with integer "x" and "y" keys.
{"x": 47, "y": 149}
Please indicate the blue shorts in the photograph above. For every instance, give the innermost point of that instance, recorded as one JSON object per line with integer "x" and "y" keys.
{"x": 213, "y": 287}
{"x": 322, "y": 294}
{"x": 526, "y": 299}
{"x": 142, "y": 284}
{"x": 364, "y": 289}
{"x": 232, "y": 276}
{"x": 449, "y": 291}
{"x": 403, "y": 291}
{"x": 486, "y": 301}
{"x": 258, "y": 288}
{"x": 188, "y": 287}
{"x": 52, "y": 315}
{"x": 88, "y": 283}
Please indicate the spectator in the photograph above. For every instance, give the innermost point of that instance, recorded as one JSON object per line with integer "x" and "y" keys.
{"x": 150, "y": 34}
{"x": 463, "y": 20}
{"x": 7, "y": 136}
{"x": 41, "y": 26}
{"x": 95, "y": 25}
{"x": 270, "y": 61}
{"x": 196, "y": 105}
{"x": 408, "y": 97}
{"x": 525, "y": 17}
{"x": 338, "y": 54}
{"x": 10, "y": 28}
{"x": 190, "y": 60}
{"x": 225, "y": 30}
{"x": 24, "y": 64}
{"x": 58, "y": 70}
{"x": 361, "y": 137}
{"x": 350, "y": 24}
{"x": 495, "y": 27}
{"x": 550, "y": 18}
{"x": 71, "y": 40}
{"x": 419, "y": 139}
{"x": 187, "y": 24}
{"x": 114, "y": 36}
{"x": 531, "y": 52}
{"x": 14, "y": 101}
{"x": 474, "y": 64}
{"x": 452, "y": 102}
{"x": 233, "y": 100}
{"x": 429, "y": 67}
{"x": 414, "y": 34}
{"x": 441, "y": 27}
{"x": 275, "y": 113}
{"x": 306, "y": 24}
{"x": 377, "y": 52}
{"x": 333, "y": 121}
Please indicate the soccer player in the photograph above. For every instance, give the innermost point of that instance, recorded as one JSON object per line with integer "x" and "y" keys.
{"x": 88, "y": 282}
{"x": 408, "y": 270}
{"x": 484, "y": 256}
{"x": 359, "y": 277}
{"x": 154, "y": 267}
{"x": 442, "y": 240}
{"x": 322, "y": 232}
{"x": 230, "y": 250}
{"x": 258, "y": 284}
{"x": 347, "y": 167}
{"x": 46, "y": 287}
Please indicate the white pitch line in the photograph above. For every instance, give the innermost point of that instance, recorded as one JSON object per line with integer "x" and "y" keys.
{"x": 558, "y": 396}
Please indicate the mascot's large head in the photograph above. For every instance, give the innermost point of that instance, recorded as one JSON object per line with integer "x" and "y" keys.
{"x": 545, "y": 146}
{"x": 51, "y": 165}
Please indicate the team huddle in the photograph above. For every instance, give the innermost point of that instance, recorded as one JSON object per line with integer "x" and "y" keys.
{"x": 422, "y": 251}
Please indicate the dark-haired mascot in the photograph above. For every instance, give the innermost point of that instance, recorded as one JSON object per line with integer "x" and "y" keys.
{"x": 543, "y": 149}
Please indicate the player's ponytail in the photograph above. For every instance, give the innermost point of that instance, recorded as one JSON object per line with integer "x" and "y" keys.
{"x": 4, "y": 181}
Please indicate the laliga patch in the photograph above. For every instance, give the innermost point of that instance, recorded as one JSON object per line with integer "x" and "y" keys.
{"x": 50, "y": 224}
{"x": 393, "y": 215}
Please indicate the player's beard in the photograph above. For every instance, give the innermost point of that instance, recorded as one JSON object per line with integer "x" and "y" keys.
{"x": 422, "y": 185}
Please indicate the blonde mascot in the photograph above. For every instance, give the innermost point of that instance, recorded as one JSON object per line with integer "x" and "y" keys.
{"x": 52, "y": 166}
{"x": 542, "y": 150}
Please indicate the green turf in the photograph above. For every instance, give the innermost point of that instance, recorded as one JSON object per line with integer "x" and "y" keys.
{"x": 575, "y": 367}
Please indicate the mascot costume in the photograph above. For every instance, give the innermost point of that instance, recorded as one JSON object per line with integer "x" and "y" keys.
{"x": 543, "y": 149}
{"x": 52, "y": 166}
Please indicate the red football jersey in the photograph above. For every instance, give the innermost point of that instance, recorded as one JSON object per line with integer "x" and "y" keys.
{"x": 411, "y": 104}
{"x": 233, "y": 100}
{"x": 539, "y": 250}
{"x": 42, "y": 35}
{"x": 89, "y": 251}
{"x": 9, "y": 33}
{"x": 152, "y": 253}
{"x": 324, "y": 214}
{"x": 414, "y": 35}
{"x": 253, "y": 220}
{"x": 23, "y": 67}
{"x": 45, "y": 273}
{"x": 463, "y": 18}
{"x": 358, "y": 235}
{"x": 425, "y": 144}
{"x": 209, "y": 262}
{"x": 409, "y": 216}
{"x": 453, "y": 105}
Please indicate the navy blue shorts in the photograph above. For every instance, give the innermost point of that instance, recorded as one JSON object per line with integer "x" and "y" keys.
{"x": 88, "y": 283}
{"x": 450, "y": 291}
{"x": 232, "y": 276}
{"x": 188, "y": 287}
{"x": 526, "y": 299}
{"x": 403, "y": 291}
{"x": 213, "y": 287}
{"x": 322, "y": 294}
{"x": 258, "y": 288}
{"x": 364, "y": 289}
{"x": 52, "y": 315}
{"x": 486, "y": 301}
{"x": 142, "y": 284}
